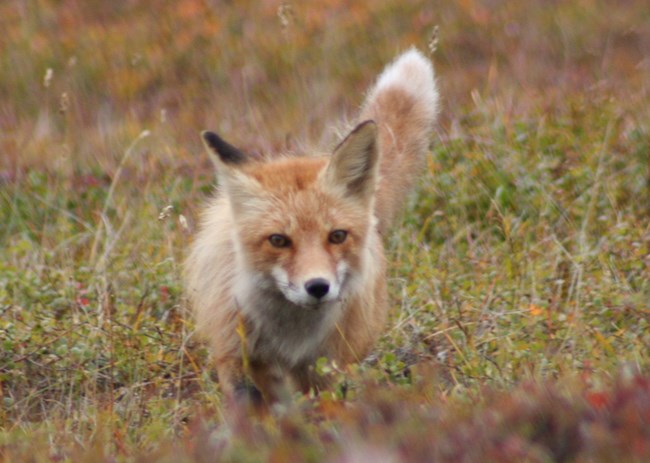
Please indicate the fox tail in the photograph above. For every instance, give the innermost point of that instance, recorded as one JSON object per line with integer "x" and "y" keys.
{"x": 404, "y": 105}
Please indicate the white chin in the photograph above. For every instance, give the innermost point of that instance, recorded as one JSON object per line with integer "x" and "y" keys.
{"x": 309, "y": 301}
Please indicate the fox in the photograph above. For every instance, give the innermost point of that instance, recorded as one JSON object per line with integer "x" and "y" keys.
{"x": 288, "y": 264}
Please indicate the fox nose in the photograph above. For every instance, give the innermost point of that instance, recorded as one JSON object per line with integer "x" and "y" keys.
{"x": 317, "y": 287}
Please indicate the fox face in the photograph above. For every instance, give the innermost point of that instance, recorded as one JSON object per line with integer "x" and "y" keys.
{"x": 301, "y": 223}
{"x": 307, "y": 242}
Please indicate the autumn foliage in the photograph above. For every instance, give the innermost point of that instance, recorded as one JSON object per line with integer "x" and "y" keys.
{"x": 519, "y": 283}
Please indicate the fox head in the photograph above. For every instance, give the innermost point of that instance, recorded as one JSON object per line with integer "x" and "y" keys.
{"x": 301, "y": 223}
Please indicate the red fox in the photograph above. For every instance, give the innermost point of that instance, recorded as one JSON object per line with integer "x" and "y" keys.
{"x": 288, "y": 264}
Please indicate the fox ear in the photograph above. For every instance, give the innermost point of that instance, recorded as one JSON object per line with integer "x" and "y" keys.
{"x": 243, "y": 191}
{"x": 354, "y": 162}
{"x": 222, "y": 152}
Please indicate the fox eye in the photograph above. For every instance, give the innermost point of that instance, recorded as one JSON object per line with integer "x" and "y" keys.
{"x": 279, "y": 241}
{"x": 338, "y": 236}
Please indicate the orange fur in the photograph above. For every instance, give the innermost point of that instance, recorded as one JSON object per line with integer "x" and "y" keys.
{"x": 288, "y": 264}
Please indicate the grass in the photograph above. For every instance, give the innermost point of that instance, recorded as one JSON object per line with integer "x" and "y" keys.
{"x": 519, "y": 277}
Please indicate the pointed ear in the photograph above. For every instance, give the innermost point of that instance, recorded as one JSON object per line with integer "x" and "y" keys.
{"x": 354, "y": 162}
{"x": 221, "y": 152}
{"x": 243, "y": 191}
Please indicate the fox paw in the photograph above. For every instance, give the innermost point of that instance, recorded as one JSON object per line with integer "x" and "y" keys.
{"x": 246, "y": 394}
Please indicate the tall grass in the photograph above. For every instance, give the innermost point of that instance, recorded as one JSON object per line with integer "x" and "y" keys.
{"x": 519, "y": 275}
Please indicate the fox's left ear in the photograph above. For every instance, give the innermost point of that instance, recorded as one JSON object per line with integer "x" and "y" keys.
{"x": 222, "y": 152}
{"x": 354, "y": 162}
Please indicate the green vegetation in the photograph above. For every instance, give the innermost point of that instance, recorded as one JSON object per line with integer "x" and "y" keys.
{"x": 520, "y": 276}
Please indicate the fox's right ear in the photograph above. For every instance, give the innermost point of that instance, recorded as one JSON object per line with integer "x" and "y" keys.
{"x": 243, "y": 191}
{"x": 222, "y": 152}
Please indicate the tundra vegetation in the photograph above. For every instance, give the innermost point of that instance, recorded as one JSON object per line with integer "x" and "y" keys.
{"x": 519, "y": 275}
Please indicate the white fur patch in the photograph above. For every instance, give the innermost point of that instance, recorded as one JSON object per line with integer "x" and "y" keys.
{"x": 284, "y": 330}
{"x": 413, "y": 72}
{"x": 341, "y": 271}
{"x": 295, "y": 291}
{"x": 281, "y": 277}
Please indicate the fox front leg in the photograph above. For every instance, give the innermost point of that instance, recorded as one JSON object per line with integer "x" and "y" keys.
{"x": 270, "y": 379}
{"x": 237, "y": 387}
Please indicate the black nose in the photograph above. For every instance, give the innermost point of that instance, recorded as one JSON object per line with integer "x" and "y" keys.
{"x": 317, "y": 287}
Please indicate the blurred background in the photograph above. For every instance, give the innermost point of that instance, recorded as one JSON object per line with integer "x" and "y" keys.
{"x": 80, "y": 79}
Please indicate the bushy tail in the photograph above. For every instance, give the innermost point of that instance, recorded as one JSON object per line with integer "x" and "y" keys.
{"x": 404, "y": 104}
